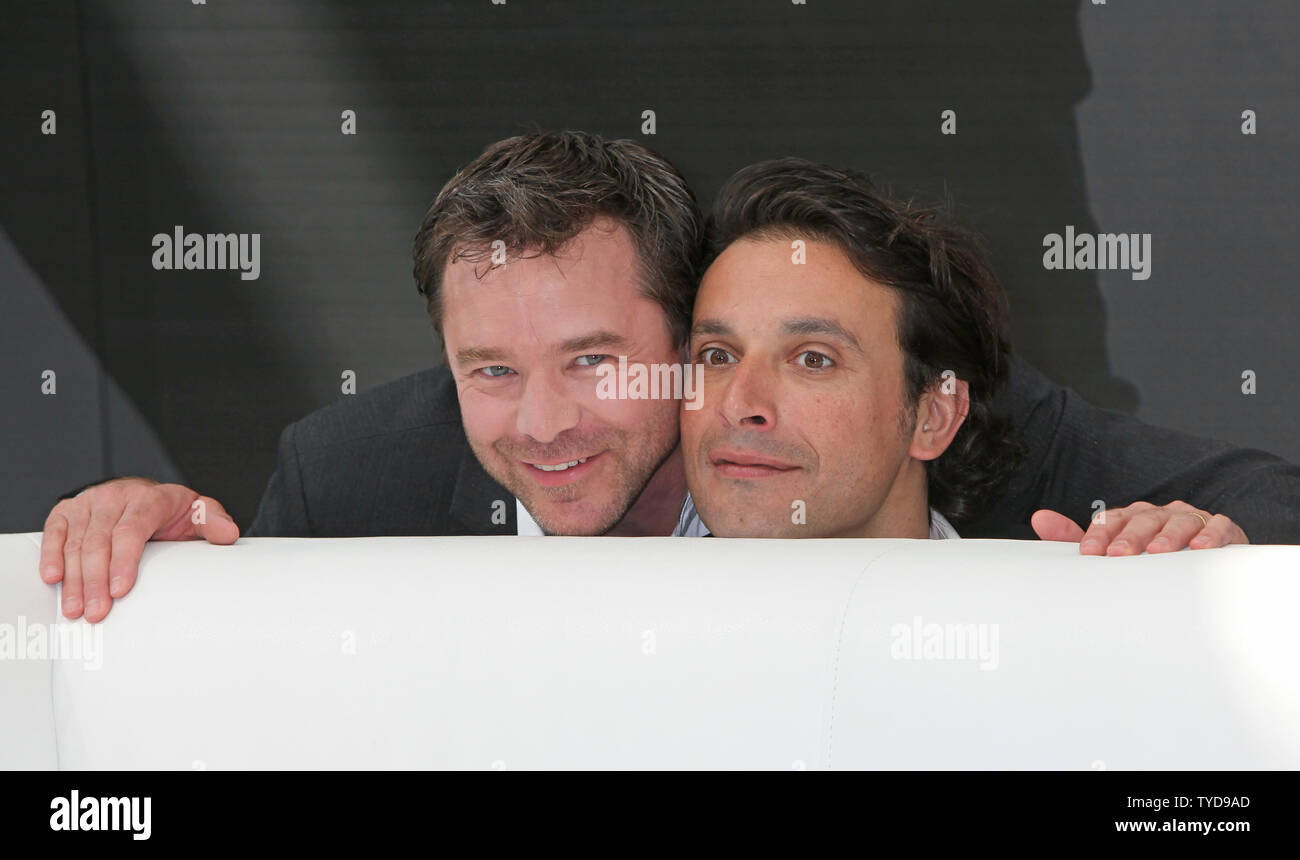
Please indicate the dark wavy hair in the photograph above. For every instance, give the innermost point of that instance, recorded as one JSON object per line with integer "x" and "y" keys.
{"x": 953, "y": 311}
{"x": 536, "y": 192}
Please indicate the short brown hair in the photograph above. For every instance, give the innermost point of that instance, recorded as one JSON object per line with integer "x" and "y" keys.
{"x": 536, "y": 192}
{"x": 953, "y": 310}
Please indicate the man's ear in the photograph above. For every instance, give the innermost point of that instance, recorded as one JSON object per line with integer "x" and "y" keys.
{"x": 940, "y": 411}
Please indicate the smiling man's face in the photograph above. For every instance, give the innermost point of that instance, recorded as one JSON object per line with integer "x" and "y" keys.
{"x": 804, "y": 414}
{"x": 524, "y": 341}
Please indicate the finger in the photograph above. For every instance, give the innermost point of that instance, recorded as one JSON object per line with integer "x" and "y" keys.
{"x": 1138, "y": 532}
{"x": 56, "y": 534}
{"x": 140, "y": 519}
{"x": 96, "y": 548}
{"x": 77, "y": 517}
{"x": 1050, "y": 525}
{"x": 1105, "y": 528}
{"x": 220, "y": 527}
{"x": 1177, "y": 532}
{"x": 1219, "y": 531}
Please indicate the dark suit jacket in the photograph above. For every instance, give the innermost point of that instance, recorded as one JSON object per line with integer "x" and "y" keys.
{"x": 394, "y": 461}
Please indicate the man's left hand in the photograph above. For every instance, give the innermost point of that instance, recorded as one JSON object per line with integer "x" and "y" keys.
{"x": 1141, "y": 526}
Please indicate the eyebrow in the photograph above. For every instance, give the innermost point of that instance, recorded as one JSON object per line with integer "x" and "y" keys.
{"x": 472, "y": 354}
{"x": 822, "y": 326}
{"x": 794, "y": 326}
{"x": 595, "y": 340}
{"x": 711, "y": 326}
{"x": 582, "y": 343}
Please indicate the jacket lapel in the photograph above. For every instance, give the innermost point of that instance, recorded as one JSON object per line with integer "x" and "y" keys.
{"x": 479, "y": 503}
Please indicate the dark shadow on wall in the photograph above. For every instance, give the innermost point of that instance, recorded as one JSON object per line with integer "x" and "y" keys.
{"x": 192, "y": 358}
{"x": 59, "y": 405}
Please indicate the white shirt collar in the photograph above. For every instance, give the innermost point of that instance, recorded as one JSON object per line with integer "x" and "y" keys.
{"x": 528, "y": 526}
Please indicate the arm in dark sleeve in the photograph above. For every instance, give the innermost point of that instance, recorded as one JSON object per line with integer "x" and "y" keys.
{"x": 283, "y": 511}
{"x": 1078, "y": 454}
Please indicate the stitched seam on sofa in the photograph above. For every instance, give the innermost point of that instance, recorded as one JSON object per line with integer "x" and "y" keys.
{"x": 54, "y": 712}
{"x": 839, "y": 647}
{"x": 54, "y": 719}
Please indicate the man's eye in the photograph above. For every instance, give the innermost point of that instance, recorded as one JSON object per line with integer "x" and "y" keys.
{"x": 814, "y": 360}
{"x": 495, "y": 370}
{"x": 716, "y": 356}
{"x": 589, "y": 360}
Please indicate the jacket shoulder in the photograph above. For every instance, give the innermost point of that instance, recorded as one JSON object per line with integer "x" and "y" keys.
{"x": 387, "y": 461}
{"x": 421, "y": 401}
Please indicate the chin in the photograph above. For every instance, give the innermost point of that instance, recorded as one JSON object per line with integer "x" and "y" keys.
{"x": 584, "y": 521}
{"x": 773, "y": 525}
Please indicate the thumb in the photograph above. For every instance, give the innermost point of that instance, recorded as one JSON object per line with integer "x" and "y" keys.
{"x": 190, "y": 515}
{"x": 1049, "y": 525}
{"x": 215, "y": 525}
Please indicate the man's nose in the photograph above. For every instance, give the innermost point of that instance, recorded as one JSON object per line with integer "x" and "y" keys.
{"x": 546, "y": 408}
{"x": 750, "y": 396}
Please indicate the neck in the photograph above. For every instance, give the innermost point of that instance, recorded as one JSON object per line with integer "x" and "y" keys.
{"x": 905, "y": 512}
{"x": 656, "y": 510}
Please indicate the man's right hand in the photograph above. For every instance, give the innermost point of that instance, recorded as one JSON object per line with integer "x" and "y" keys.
{"x": 93, "y": 542}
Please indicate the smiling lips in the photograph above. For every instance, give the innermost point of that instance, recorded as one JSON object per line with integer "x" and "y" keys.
{"x": 559, "y": 467}
{"x": 739, "y": 464}
{"x": 564, "y": 472}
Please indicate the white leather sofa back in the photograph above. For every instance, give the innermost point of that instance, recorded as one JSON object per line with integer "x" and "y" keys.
{"x": 517, "y": 653}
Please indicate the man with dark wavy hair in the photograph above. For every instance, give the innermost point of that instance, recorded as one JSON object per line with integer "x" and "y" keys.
{"x": 852, "y": 347}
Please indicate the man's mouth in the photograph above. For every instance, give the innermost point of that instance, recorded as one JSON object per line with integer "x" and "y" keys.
{"x": 558, "y": 467}
{"x": 739, "y": 464}
{"x": 560, "y": 472}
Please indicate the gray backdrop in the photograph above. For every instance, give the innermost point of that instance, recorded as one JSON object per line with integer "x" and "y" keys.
{"x": 225, "y": 117}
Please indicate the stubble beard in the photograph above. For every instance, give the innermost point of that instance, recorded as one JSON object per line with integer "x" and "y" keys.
{"x": 632, "y": 456}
